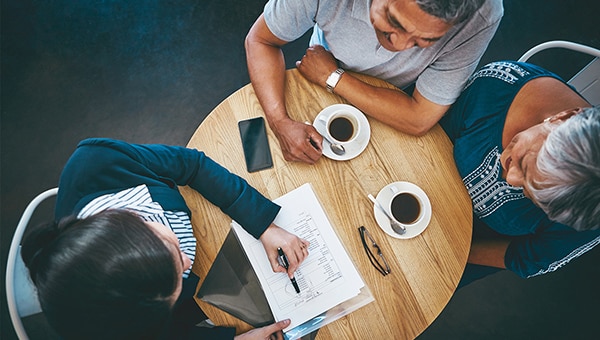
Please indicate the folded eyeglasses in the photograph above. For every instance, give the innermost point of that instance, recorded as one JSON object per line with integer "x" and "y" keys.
{"x": 368, "y": 243}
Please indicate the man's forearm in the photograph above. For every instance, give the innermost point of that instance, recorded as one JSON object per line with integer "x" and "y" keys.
{"x": 266, "y": 67}
{"x": 414, "y": 115}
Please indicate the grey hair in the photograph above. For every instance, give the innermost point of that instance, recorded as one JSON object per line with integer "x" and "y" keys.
{"x": 450, "y": 11}
{"x": 569, "y": 165}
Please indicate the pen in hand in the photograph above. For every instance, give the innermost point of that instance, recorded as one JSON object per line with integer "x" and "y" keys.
{"x": 283, "y": 261}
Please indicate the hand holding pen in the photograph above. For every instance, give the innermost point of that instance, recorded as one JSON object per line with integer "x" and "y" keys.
{"x": 294, "y": 248}
{"x": 283, "y": 261}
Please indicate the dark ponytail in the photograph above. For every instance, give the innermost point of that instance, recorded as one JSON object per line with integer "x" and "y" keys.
{"x": 38, "y": 238}
{"x": 105, "y": 276}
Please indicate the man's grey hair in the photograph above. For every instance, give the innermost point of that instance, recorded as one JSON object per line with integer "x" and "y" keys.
{"x": 450, "y": 11}
{"x": 569, "y": 169}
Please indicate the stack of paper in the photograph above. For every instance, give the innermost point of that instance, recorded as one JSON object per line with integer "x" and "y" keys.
{"x": 327, "y": 278}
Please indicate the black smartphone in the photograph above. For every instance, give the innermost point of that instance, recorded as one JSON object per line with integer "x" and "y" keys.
{"x": 255, "y": 143}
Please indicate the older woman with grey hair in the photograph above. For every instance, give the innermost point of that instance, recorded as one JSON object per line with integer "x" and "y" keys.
{"x": 528, "y": 148}
{"x": 567, "y": 187}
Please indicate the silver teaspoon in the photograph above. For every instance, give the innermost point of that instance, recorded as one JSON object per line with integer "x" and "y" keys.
{"x": 397, "y": 227}
{"x": 337, "y": 149}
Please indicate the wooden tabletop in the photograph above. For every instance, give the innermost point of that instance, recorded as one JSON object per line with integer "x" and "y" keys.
{"x": 425, "y": 269}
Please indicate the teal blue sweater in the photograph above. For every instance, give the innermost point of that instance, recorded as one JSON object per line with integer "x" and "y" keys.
{"x": 103, "y": 166}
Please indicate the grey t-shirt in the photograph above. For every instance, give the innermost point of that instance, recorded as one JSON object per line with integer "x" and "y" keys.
{"x": 345, "y": 28}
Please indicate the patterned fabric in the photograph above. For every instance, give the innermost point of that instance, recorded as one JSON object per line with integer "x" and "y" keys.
{"x": 505, "y": 71}
{"x": 488, "y": 192}
{"x": 138, "y": 200}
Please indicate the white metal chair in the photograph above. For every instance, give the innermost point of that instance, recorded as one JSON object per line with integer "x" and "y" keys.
{"x": 21, "y": 294}
{"x": 587, "y": 80}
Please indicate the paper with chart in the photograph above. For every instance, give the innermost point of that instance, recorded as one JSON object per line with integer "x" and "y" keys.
{"x": 327, "y": 277}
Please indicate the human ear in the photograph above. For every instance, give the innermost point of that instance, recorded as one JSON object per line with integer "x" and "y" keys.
{"x": 564, "y": 115}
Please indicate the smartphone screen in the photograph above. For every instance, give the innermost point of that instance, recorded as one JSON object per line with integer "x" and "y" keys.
{"x": 255, "y": 143}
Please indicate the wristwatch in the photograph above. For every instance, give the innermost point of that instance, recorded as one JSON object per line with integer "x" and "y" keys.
{"x": 333, "y": 79}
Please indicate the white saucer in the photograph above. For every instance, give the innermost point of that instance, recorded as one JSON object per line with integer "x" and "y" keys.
{"x": 353, "y": 148}
{"x": 385, "y": 195}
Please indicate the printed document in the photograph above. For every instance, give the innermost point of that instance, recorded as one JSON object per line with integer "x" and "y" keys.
{"x": 326, "y": 278}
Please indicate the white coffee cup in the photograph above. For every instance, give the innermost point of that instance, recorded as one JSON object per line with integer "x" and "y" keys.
{"x": 406, "y": 207}
{"x": 341, "y": 126}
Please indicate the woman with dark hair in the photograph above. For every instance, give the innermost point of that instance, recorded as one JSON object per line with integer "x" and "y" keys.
{"x": 116, "y": 264}
{"x": 528, "y": 148}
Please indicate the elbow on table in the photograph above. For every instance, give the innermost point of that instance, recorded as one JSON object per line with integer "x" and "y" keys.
{"x": 421, "y": 130}
{"x": 417, "y": 130}
{"x": 249, "y": 40}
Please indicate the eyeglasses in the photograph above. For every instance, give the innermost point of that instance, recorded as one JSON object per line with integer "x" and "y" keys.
{"x": 384, "y": 270}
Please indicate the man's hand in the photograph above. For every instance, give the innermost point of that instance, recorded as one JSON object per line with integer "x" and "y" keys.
{"x": 317, "y": 64}
{"x": 270, "y": 332}
{"x": 294, "y": 248}
{"x": 298, "y": 141}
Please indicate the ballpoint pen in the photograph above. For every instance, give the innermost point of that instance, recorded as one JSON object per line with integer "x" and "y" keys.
{"x": 283, "y": 261}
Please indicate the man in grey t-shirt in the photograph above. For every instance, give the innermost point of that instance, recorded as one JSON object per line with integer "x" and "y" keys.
{"x": 434, "y": 44}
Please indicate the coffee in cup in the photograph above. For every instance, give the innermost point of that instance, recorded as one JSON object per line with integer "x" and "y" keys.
{"x": 342, "y": 126}
{"x": 406, "y": 207}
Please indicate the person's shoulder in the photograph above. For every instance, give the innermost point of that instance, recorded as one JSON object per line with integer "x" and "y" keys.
{"x": 106, "y": 148}
{"x": 102, "y": 142}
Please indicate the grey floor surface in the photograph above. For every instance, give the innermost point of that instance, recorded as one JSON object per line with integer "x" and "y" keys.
{"x": 150, "y": 71}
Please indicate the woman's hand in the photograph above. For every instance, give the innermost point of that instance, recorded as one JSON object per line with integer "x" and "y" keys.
{"x": 294, "y": 248}
{"x": 271, "y": 332}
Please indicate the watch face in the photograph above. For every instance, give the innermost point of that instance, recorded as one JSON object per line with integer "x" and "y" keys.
{"x": 331, "y": 79}
{"x": 334, "y": 77}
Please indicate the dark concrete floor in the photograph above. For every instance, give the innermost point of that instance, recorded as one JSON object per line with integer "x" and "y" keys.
{"x": 150, "y": 71}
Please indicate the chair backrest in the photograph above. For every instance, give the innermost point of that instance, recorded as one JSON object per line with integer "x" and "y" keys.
{"x": 21, "y": 294}
{"x": 587, "y": 80}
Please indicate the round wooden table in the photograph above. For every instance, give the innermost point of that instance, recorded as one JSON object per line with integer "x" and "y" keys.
{"x": 425, "y": 269}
